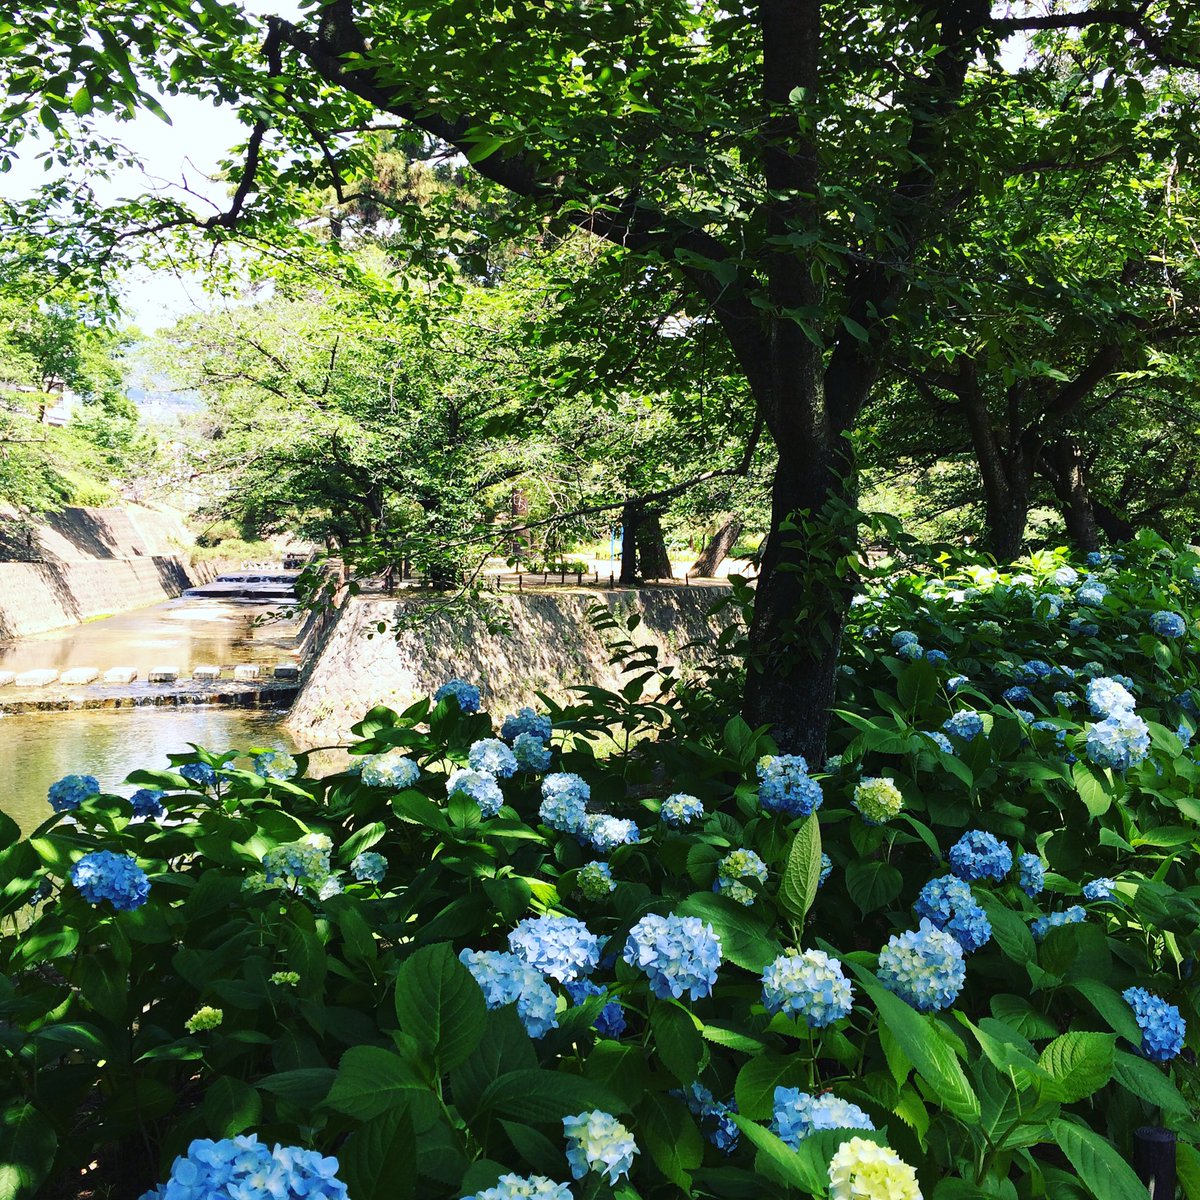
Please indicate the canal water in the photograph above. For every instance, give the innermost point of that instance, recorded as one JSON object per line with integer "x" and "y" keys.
{"x": 44, "y": 746}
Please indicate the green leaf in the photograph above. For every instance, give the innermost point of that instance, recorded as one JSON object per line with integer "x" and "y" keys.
{"x": 1079, "y": 1063}
{"x": 1102, "y": 1169}
{"x": 744, "y": 937}
{"x": 370, "y": 1081}
{"x": 439, "y": 1003}
{"x": 1148, "y": 1082}
{"x": 1111, "y": 1005}
{"x": 802, "y": 872}
{"x": 1008, "y": 928}
{"x": 545, "y": 1097}
{"x": 758, "y": 1079}
{"x": 1022, "y": 1016}
{"x": 1092, "y": 788}
{"x": 377, "y": 1158}
{"x": 670, "y": 1137}
{"x": 777, "y": 1160}
{"x": 873, "y": 884}
{"x": 27, "y": 1148}
{"x": 231, "y": 1107}
{"x": 677, "y": 1041}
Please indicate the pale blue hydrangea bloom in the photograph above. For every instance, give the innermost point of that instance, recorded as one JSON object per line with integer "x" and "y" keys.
{"x": 369, "y": 867}
{"x": 833, "y": 764}
{"x": 826, "y": 869}
{"x": 796, "y": 1115}
{"x": 808, "y": 984}
{"x": 955, "y": 682}
{"x": 966, "y": 724}
{"x": 1163, "y": 1029}
{"x": 304, "y": 862}
{"x": 597, "y": 1141}
{"x": 1168, "y": 624}
{"x": 68, "y": 793}
{"x": 611, "y": 1021}
{"x": 1018, "y": 694}
{"x": 785, "y": 785}
{"x": 605, "y": 833}
{"x": 980, "y": 855}
{"x": 508, "y": 979}
{"x": 1066, "y": 576}
{"x": 924, "y": 967}
{"x": 679, "y": 955}
{"x": 595, "y": 880}
{"x": 904, "y": 638}
{"x": 1032, "y": 880}
{"x": 1092, "y": 593}
{"x": 467, "y": 694}
{"x": 242, "y": 1168}
{"x": 275, "y": 764}
{"x": 564, "y": 802}
{"x": 734, "y": 870}
{"x": 950, "y": 905}
{"x": 117, "y": 878}
{"x": 479, "y": 786}
{"x": 716, "y": 1117}
{"x": 393, "y": 769}
{"x": 561, "y": 947}
{"x": 199, "y": 773}
{"x": 493, "y": 756}
{"x": 911, "y": 652}
{"x": 1065, "y": 700}
{"x": 1106, "y": 697}
{"x": 1040, "y": 926}
{"x": 681, "y": 809}
{"x": 1034, "y": 670}
{"x": 526, "y": 721}
{"x": 1099, "y": 889}
{"x": 1026, "y": 715}
{"x": 940, "y": 740}
{"x": 531, "y": 753}
{"x": 148, "y": 802}
{"x": 1078, "y": 627}
{"x": 1120, "y": 741}
{"x": 936, "y": 656}
{"x": 520, "y": 1187}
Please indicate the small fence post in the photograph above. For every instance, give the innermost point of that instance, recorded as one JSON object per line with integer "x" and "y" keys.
{"x": 611, "y": 579}
{"x": 520, "y": 582}
{"x": 1154, "y": 1160}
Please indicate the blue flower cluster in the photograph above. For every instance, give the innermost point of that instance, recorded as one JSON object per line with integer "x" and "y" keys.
{"x": 492, "y": 756}
{"x": 1019, "y": 694}
{"x": 275, "y": 764}
{"x": 1167, "y": 624}
{"x": 715, "y": 1116}
{"x": 904, "y": 638}
{"x": 980, "y": 855}
{"x": 1078, "y": 627}
{"x": 940, "y": 740}
{"x": 1091, "y": 592}
{"x": 392, "y": 769}
{"x": 785, "y": 785}
{"x": 679, "y": 955}
{"x": 198, "y": 773}
{"x": 955, "y": 682}
{"x": 611, "y": 1021}
{"x": 242, "y": 1168}
{"x": 1099, "y": 889}
{"x": 561, "y": 947}
{"x": 117, "y": 878}
{"x": 597, "y": 1141}
{"x": 734, "y": 870}
{"x": 796, "y": 1115}
{"x": 68, "y": 793}
{"x": 911, "y": 652}
{"x": 924, "y": 967}
{"x": 1040, "y": 926}
{"x": 148, "y": 802}
{"x": 1163, "y": 1029}
{"x": 681, "y": 809}
{"x": 531, "y": 753}
{"x": 1032, "y": 877}
{"x": 369, "y": 867}
{"x": 564, "y": 802}
{"x": 966, "y": 724}
{"x": 949, "y": 904}
{"x": 519, "y": 1187}
{"x": 479, "y": 786}
{"x": 467, "y": 694}
{"x": 1107, "y": 697}
{"x": 808, "y": 984}
{"x": 1120, "y": 741}
{"x": 595, "y": 880}
{"x": 1066, "y": 576}
{"x": 605, "y": 833}
{"x": 304, "y": 862}
{"x": 1034, "y": 670}
{"x": 526, "y": 721}
{"x": 508, "y": 979}
{"x": 826, "y": 869}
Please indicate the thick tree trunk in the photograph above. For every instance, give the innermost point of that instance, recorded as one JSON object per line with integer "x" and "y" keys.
{"x": 631, "y": 517}
{"x": 1064, "y": 469}
{"x": 718, "y": 548}
{"x": 1116, "y": 527}
{"x": 653, "y": 560}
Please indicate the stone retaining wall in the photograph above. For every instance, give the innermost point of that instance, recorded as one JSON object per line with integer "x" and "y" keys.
{"x": 550, "y": 646}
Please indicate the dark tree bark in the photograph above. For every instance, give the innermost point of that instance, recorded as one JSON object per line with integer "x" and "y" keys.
{"x": 1062, "y": 465}
{"x": 718, "y": 548}
{"x": 631, "y": 517}
{"x": 653, "y": 560}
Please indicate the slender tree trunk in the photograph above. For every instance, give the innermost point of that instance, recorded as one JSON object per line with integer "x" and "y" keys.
{"x": 718, "y": 548}
{"x": 653, "y": 560}
{"x": 631, "y": 517}
{"x": 1064, "y": 469}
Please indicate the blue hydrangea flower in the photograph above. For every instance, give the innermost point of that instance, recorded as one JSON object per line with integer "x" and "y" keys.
{"x": 597, "y": 1141}
{"x": 826, "y": 869}
{"x": 1065, "y": 700}
{"x": 1099, "y": 889}
{"x": 1168, "y": 624}
{"x": 531, "y": 753}
{"x": 479, "y": 786}
{"x": 148, "y": 802}
{"x": 564, "y": 802}
{"x": 275, "y": 764}
{"x": 1034, "y": 670}
{"x": 925, "y": 967}
{"x": 1018, "y": 694}
{"x": 1066, "y": 576}
{"x": 242, "y": 1168}
{"x": 1091, "y": 594}
{"x": 117, "y": 878}
{"x": 526, "y": 720}
{"x": 561, "y": 947}
{"x": 1078, "y": 627}
{"x": 940, "y": 740}
{"x": 911, "y": 652}
{"x": 796, "y": 1115}
{"x": 966, "y": 724}
{"x": 904, "y": 638}
{"x": 955, "y": 682}
{"x": 1106, "y": 697}
{"x": 1032, "y": 879}
{"x": 493, "y": 756}
{"x": 679, "y": 955}
{"x": 508, "y": 979}
{"x": 1120, "y": 741}
{"x": 937, "y": 656}
{"x": 304, "y": 862}
{"x": 392, "y": 769}
{"x": 681, "y": 809}
{"x": 734, "y": 870}
{"x": 808, "y": 984}
{"x": 605, "y": 833}
{"x": 369, "y": 867}
{"x": 1040, "y": 926}
{"x": 1163, "y": 1029}
{"x": 1024, "y": 714}
{"x": 595, "y": 880}
{"x": 948, "y": 903}
{"x": 611, "y": 1021}
{"x": 785, "y": 785}
{"x": 199, "y": 773}
{"x": 467, "y": 694}
{"x": 520, "y": 1187}
{"x": 71, "y": 791}
{"x": 833, "y": 764}
{"x": 980, "y": 855}
{"x": 1095, "y": 558}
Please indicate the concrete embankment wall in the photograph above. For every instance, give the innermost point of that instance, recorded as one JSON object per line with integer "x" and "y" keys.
{"x": 90, "y": 562}
{"x": 549, "y": 646}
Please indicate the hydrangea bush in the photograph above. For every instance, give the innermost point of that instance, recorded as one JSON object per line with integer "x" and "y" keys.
{"x": 643, "y": 954}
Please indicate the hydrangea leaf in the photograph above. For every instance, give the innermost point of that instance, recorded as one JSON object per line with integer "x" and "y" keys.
{"x": 802, "y": 873}
{"x": 1078, "y": 1063}
{"x": 371, "y": 1080}
{"x": 377, "y": 1158}
{"x": 1102, "y": 1169}
{"x": 27, "y": 1147}
{"x": 439, "y": 1003}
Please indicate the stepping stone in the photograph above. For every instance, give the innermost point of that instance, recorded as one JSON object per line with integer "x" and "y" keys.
{"x": 246, "y": 671}
{"x": 163, "y": 674}
{"x": 120, "y": 675}
{"x": 206, "y": 674}
{"x": 36, "y": 678}
{"x": 6, "y": 677}
{"x": 287, "y": 672}
{"x": 77, "y": 676}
